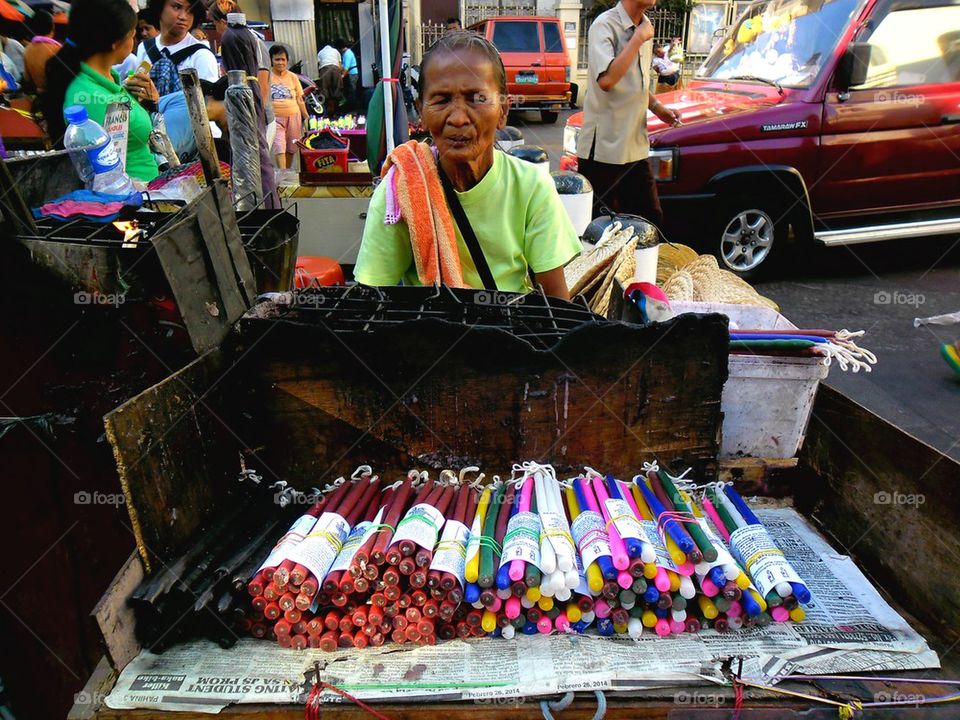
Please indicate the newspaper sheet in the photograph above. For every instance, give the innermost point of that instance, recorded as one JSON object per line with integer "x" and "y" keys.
{"x": 849, "y": 628}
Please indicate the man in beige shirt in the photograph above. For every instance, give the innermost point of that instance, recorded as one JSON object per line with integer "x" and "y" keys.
{"x": 613, "y": 145}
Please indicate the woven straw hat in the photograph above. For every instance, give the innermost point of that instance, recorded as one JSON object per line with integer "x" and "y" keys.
{"x": 703, "y": 281}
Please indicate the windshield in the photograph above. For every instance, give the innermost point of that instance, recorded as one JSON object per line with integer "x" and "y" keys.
{"x": 784, "y": 41}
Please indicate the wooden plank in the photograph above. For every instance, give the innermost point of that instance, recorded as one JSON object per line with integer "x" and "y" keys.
{"x": 193, "y": 254}
{"x": 890, "y": 501}
{"x": 175, "y": 454}
{"x": 760, "y": 476}
{"x": 89, "y": 700}
{"x": 197, "y": 109}
{"x": 610, "y": 396}
{"x": 115, "y": 619}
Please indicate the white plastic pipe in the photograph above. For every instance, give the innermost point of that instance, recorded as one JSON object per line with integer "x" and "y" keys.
{"x": 386, "y": 69}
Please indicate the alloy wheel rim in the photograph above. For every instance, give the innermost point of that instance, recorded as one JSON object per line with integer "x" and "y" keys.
{"x": 747, "y": 240}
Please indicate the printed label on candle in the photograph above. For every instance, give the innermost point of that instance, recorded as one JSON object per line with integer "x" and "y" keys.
{"x": 421, "y": 524}
{"x": 473, "y": 544}
{"x": 522, "y": 540}
{"x": 723, "y": 556}
{"x": 319, "y": 549}
{"x": 293, "y": 537}
{"x": 451, "y": 552}
{"x": 357, "y": 537}
{"x": 663, "y": 557}
{"x": 556, "y": 529}
{"x": 583, "y": 587}
{"x": 590, "y": 536}
{"x": 624, "y": 520}
{"x": 755, "y": 550}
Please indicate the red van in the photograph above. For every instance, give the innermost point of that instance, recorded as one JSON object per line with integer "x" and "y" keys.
{"x": 838, "y": 119}
{"x": 535, "y": 57}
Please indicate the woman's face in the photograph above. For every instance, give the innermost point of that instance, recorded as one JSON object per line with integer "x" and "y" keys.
{"x": 146, "y": 31}
{"x": 176, "y": 18}
{"x": 279, "y": 62}
{"x": 462, "y": 107}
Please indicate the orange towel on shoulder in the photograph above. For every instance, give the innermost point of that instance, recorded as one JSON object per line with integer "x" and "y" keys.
{"x": 423, "y": 206}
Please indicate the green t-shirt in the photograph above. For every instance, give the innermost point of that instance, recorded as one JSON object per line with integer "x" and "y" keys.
{"x": 94, "y": 92}
{"x": 516, "y": 214}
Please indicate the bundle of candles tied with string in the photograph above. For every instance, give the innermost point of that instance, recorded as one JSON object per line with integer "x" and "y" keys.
{"x": 422, "y": 560}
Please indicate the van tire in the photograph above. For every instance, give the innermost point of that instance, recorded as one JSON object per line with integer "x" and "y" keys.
{"x": 549, "y": 117}
{"x": 750, "y": 234}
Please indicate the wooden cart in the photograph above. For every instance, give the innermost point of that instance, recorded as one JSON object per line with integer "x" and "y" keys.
{"x": 300, "y": 399}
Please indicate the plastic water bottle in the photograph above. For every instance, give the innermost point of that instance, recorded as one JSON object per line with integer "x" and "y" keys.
{"x": 94, "y": 155}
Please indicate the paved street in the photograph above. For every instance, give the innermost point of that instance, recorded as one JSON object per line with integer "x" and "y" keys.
{"x": 879, "y": 288}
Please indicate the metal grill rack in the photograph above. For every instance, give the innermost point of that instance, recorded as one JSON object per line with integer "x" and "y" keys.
{"x": 534, "y": 317}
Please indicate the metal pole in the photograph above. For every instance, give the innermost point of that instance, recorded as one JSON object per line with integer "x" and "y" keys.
{"x": 387, "y": 69}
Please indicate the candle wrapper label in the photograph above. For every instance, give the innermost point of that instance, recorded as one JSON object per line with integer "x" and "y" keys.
{"x": 723, "y": 556}
{"x": 583, "y": 587}
{"x": 556, "y": 529}
{"x": 293, "y": 537}
{"x": 357, "y": 537}
{"x": 624, "y": 520}
{"x": 473, "y": 544}
{"x": 321, "y": 547}
{"x": 522, "y": 539}
{"x": 755, "y": 550}
{"x": 590, "y": 536}
{"x": 663, "y": 557}
{"x": 421, "y": 525}
{"x": 451, "y": 553}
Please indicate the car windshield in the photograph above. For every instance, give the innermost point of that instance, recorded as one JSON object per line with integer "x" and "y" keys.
{"x": 780, "y": 41}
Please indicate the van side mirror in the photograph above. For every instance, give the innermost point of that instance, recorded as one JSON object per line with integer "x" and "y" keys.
{"x": 852, "y": 70}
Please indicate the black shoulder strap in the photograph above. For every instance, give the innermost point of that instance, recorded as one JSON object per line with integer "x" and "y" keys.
{"x": 469, "y": 237}
{"x": 153, "y": 52}
{"x": 181, "y": 55}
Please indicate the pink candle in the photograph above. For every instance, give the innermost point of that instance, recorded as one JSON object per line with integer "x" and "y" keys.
{"x": 621, "y": 560}
{"x": 519, "y": 567}
{"x": 714, "y": 516}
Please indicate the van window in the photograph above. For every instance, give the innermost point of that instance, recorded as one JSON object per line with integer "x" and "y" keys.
{"x": 914, "y": 46}
{"x": 516, "y": 37}
{"x": 551, "y": 39}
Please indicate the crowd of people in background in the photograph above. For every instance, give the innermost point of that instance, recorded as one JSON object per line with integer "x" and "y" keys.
{"x": 110, "y": 52}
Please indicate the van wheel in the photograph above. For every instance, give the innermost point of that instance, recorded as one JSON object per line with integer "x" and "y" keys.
{"x": 549, "y": 117}
{"x": 749, "y": 229}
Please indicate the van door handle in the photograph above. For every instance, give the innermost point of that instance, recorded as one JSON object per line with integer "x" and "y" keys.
{"x": 535, "y": 64}
{"x": 950, "y": 120}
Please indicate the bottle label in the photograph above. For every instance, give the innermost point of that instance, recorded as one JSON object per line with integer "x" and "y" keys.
{"x": 103, "y": 158}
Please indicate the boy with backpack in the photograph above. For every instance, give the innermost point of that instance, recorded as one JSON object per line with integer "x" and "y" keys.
{"x": 175, "y": 49}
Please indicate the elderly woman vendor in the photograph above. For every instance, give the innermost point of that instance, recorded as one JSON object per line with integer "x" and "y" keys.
{"x": 415, "y": 224}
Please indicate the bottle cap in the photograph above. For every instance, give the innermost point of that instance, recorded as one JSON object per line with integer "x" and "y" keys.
{"x": 75, "y": 114}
